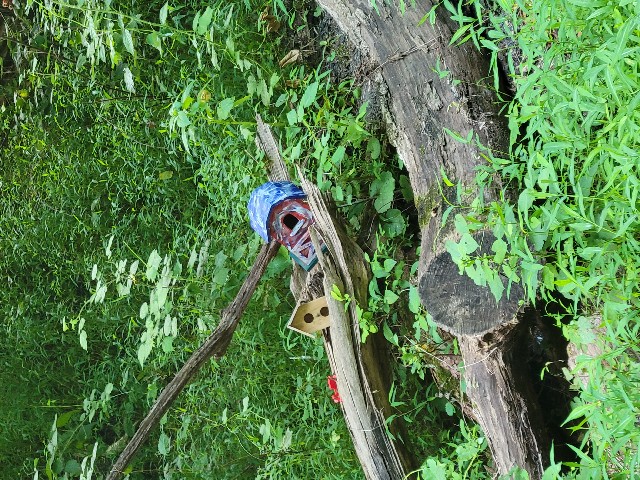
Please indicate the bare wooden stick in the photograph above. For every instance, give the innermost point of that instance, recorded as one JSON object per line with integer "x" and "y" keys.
{"x": 216, "y": 345}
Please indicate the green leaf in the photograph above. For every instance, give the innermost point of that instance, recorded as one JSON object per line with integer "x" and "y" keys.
{"x": 144, "y": 350}
{"x": 378, "y": 271}
{"x": 525, "y": 201}
{"x": 374, "y": 148}
{"x": 286, "y": 440}
{"x": 72, "y": 467}
{"x": 589, "y": 252}
{"x": 414, "y": 300}
{"x": 390, "y": 297}
{"x": 164, "y": 444}
{"x": 456, "y": 253}
{"x": 183, "y": 119}
{"x": 405, "y": 187}
{"x": 265, "y": 430}
{"x": 468, "y": 244}
{"x": 338, "y": 155}
{"x": 450, "y": 409}
{"x": 434, "y": 470}
{"x": 336, "y": 293}
{"x": 382, "y": 189}
{"x": 133, "y": 268}
{"x": 548, "y": 276}
{"x": 224, "y": 108}
{"x": 155, "y": 41}
{"x": 455, "y": 136}
{"x": 265, "y": 93}
{"x": 499, "y": 246}
{"x": 63, "y": 419}
{"x": 107, "y": 250}
{"x": 389, "y": 335}
{"x": 309, "y": 95}
{"x": 445, "y": 179}
{"x": 338, "y": 193}
{"x": 552, "y": 472}
{"x": 127, "y": 40}
{"x": 167, "y": 344}
{"x": 461, "y": 224}
{"x": 83, "y": 339}
{"x": 495, "y": 285}
{"x": 152, "y": 265}
{"x": 394, "y": 224}
{"x": 292, "y": 117}
{"x": 128, "y": 80}
{"x": 389, "y": 263}
{"x": 163, "y": 13}
{"x": 204, "y": 21}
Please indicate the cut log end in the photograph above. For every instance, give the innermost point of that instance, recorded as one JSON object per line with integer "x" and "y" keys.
{"x": 460, "y": 306}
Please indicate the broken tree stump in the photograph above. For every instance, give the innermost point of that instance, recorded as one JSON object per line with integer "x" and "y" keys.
{"x": 360, "y": 372}
{"x": 424, "y": 88}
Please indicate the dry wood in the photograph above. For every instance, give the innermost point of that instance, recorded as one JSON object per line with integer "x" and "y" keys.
{"x": 362, "y": 370}
{"x": 402, "y": 73}
{"x": 216, "y": 345}
{"x": 360, "y": 374}
{"x": 265, "y": 141}
{"x": 502, "y": 392}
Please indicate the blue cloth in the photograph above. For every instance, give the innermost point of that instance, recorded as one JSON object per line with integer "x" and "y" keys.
{"x": 262, "y": 201}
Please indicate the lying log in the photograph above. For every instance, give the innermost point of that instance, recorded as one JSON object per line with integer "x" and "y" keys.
{"x": 427, "y": 87}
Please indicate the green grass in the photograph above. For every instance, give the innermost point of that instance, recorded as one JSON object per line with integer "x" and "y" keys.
{"x": 110, "y": 154}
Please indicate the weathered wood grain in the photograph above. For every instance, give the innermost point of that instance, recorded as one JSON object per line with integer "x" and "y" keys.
{"x": 360, "y": 375}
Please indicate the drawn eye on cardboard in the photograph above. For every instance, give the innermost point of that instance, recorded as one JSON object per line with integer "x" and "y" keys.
{"x": 309, "y": 318}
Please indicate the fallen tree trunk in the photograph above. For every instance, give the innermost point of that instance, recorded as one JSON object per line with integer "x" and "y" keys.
{"x": 494, "y": 379}
{"x": 215, "y": 346}
{"x": 427, "y": 88}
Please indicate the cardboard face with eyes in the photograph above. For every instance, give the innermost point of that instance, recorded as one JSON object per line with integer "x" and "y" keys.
{"x": 309, "y": 318}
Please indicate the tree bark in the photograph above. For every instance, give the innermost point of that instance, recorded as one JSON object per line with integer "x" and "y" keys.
{"x": 424, "y": 88}
{"x": 216, "y": 345}
{"x": 500, "y": 396}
